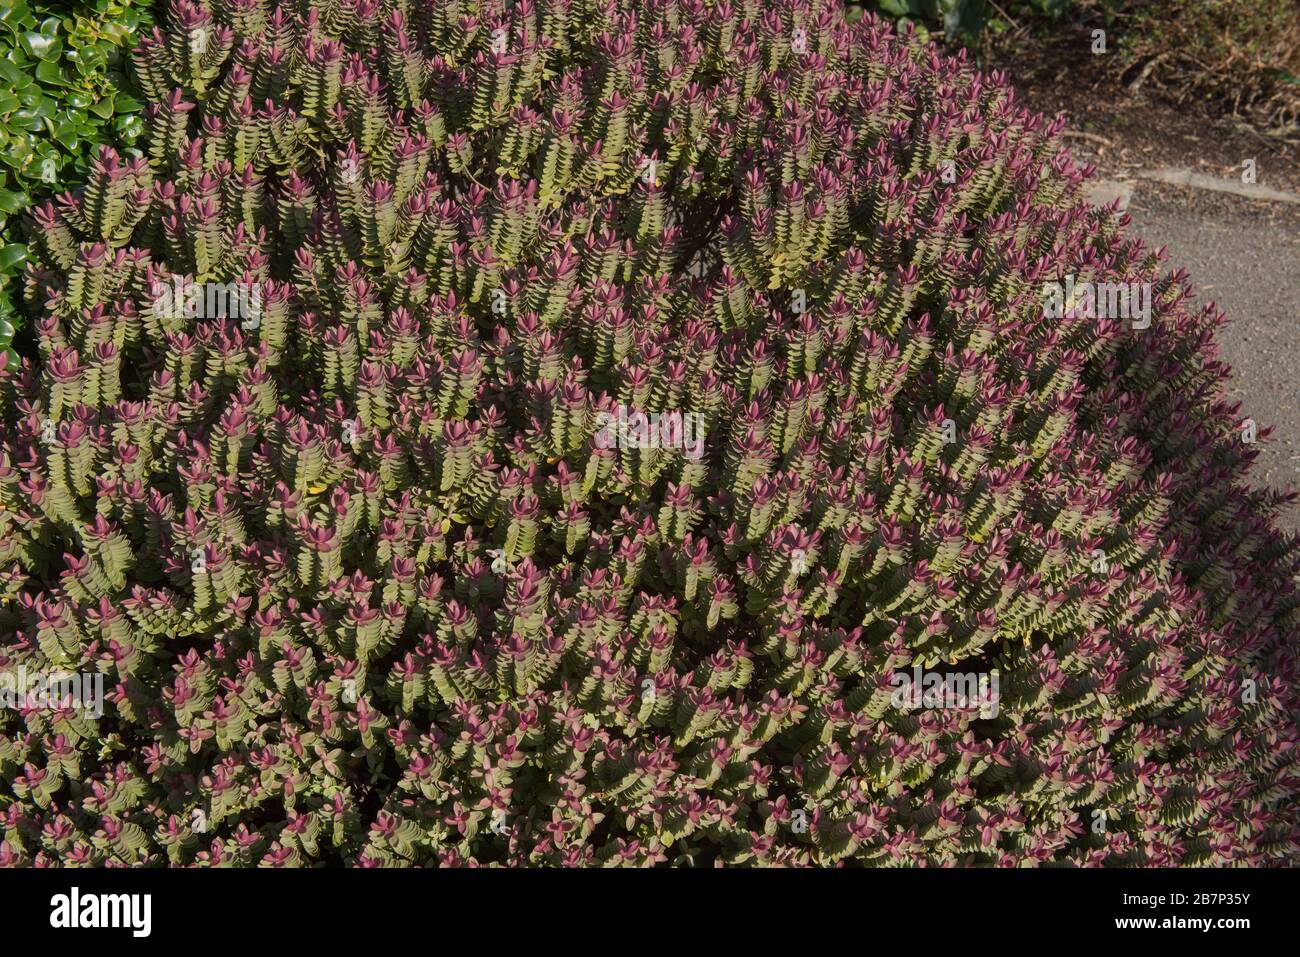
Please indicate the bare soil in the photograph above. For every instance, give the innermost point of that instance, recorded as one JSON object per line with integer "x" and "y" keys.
{"x": 1125, "y": 130}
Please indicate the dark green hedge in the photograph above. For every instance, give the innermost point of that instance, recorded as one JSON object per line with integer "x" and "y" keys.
{"x": 63, "y": 92}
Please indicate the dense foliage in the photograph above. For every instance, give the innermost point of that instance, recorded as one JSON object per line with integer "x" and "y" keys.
{"x": 366, "y": 586}
{"x": 62, "y": 95}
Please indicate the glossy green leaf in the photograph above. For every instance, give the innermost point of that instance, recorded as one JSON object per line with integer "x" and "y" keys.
{"x": 48, "y": 72}
{"x": 11, "y": 256}
{"x": 41, "y": 46}
{"x": 103, "y": 108}
{"x": 126, "y": 103}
